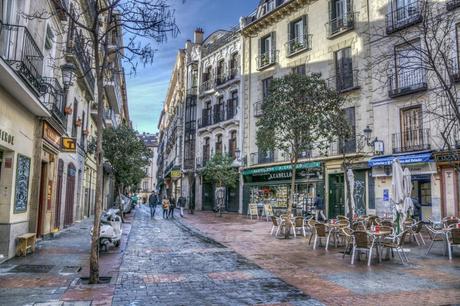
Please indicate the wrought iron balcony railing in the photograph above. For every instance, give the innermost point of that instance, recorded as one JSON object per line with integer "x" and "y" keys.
{"x": 207, "y": 85}
{"x": 345, "y": 81}
{"x": 403, "y": 16}
{"x": 232, "y": 108}
{"x": 262, "y": 158}
{"x": 340, "y": 24}
{"x": 192, "y": 91}
{"x": 298, "y": 44}
{"x": 206, "y": 119}
{"x": 407, "y": 82}
{"x": 411, "y": 140}
{"x": 452, "y": 4}
{"x": 219, "y": 115}
{"x": 267, "y": 59}
{"x": 77, "y": 45}
{"x": 53, "y": 98}
{"x": 19, "y": 50}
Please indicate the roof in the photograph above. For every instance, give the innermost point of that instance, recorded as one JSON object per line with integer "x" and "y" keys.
{"x": 150, "y": 140}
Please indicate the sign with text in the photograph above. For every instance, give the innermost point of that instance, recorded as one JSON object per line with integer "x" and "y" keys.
{"x": 69, "y": 144}
{"x": 51, "y": 135}
{"x": 175, "y": 174}
{"x": 6, "y": 137}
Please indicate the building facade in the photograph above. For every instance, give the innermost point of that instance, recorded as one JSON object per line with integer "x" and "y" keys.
{"x": 149, "y": 182}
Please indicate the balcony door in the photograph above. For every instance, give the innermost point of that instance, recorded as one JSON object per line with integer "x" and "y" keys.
{"x": 409, "y": 67}
{"x": 405, "y": 9}
{"x": 344, "y": 69}
{"x": 411, "y": 128}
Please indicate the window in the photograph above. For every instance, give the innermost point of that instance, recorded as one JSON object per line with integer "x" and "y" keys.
{"x": 299, "y": 70}
{"x": 412, "y": 129}
{"x": 232, "y": 105}
{"x": 219, "y": 110}
{"x": 349, "y": 145}
{"x": 297, "y": 35}
{"x": 340, "y": 16}
{"x": 219, "y": 144}
{"x": 266, "y": 86}
{"x": 234, "y": 65}
{"x": 206, "y": 149}
{"x": 344, "y": 69}
{"x": 267, "y": 50}
{"x": 194, "y": 78}
{"x": 232, "y": 145}
{"x": 220, "y": 72}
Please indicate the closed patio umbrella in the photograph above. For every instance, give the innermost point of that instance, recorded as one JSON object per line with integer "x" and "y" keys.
{"x": 397, "y": 191}
{"x": 351, "y": 181}
{"x": 408, "y": 204}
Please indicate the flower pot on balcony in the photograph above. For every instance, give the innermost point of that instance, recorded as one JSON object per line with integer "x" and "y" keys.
{"x": 78, "y": 122}
{"x": 68, "y": 110}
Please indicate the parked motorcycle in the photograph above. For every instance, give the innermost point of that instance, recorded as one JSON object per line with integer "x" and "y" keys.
{"x": 110, "y": 229}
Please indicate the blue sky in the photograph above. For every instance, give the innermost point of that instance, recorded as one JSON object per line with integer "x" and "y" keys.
{"x": 147, "y": 89}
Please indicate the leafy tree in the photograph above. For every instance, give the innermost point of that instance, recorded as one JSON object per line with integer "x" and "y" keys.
{"x": 127, "y": 154}
{"x": 297, "y": 117}
{"x": 219, "y": 171}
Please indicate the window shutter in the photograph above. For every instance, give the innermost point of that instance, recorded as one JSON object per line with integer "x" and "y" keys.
{"x": 260, "y": 45}
{"x": 273, "y": 41}
{"x": 305, "y": 24}
{"x": 331, "y": 16}
{"x": 289, "y": 31}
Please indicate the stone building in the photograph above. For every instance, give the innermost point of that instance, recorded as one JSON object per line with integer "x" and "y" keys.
{"x": 149, "y": 182}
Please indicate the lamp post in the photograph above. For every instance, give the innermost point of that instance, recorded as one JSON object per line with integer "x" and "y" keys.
{"x": 375, "y": 143}
{"x": 68, "y": 71}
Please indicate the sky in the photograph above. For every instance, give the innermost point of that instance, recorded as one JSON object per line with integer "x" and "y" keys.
{"x": 147, "y": 89}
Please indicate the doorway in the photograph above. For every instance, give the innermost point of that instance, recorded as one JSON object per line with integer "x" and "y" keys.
{"x": 233, "y": 204}
{"x": 208, "y": 197}
{"x": 57, "y": 215}
{"x": 336, "y": 195}
{"x": 70, "y": 195}
{"x": 42, "y": 198}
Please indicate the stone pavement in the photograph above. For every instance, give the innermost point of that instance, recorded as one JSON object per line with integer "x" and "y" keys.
{"x": 51, "y": 276}
{"x": 165, "y": 263}
{"x": 326, "y": 277}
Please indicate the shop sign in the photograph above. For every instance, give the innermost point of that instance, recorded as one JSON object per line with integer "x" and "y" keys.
{"x": 404, "y": 159}
{"x": 427, "y": 168}
{"x": 51, "y": 135}
{"x": 175, "y": 174}
{"x": 386, "y": 195}
{"x": 69, "y": 144}
{"x": 6, "y": 137}
{"x": 281, "y": 168}
{"x": 288, "y": 175}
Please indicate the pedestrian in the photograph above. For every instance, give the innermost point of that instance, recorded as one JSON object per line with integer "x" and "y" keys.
{"x": 191, "y": 206}
{"x": 319, "y": 207}
{"x": 172, "y": 205}
{"x": 165, "y": 207}
{"x": 182, "y": 201}
{"x": 153, "y": 201}
{"x": 134, "y": 200}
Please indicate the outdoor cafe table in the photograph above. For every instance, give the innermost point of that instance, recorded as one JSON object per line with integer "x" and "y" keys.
{"x": 334, "y": 228}
{"x": 379, "y": 235}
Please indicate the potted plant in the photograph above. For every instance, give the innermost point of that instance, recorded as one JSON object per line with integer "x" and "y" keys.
{"x": 68, "y": 110}
{"x": 78, "y": 122}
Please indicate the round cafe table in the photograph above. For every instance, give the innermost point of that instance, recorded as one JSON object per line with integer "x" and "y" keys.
{"x": 379, "y": 235}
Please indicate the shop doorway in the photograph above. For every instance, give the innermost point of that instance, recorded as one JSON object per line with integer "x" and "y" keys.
{"x": 70, "y": 195}
{"x": 42, "y": 199}
{"x": 336, "y": 195}
{"x": 57, "y": 215}
{"x": 233, "y": 204}
{"x": 208, "y": 197}
{"x": 421, "y": 196}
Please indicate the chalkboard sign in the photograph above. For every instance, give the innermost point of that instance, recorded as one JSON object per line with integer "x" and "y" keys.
{"x": 252, "y": 210}
{"x": 268, "y": 210}
{"x": 22, "y": 184}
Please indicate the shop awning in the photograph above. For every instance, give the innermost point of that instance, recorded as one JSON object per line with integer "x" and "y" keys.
{"x": 281, "y": 168}
{"x": 424, "y": 157}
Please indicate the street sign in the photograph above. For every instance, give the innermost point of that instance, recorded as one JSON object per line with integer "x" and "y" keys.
{"x": 69, "y": 144}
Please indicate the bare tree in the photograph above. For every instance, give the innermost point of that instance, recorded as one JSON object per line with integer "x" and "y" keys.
{"x": 99, "y": 25}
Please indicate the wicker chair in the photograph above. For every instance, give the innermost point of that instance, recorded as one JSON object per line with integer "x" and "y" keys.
{"x": 436, "y": 236}
{"x": 386, "y": 223}
{"x": 453, "y": 240}
{"x": 371, "y": 220}
{"x": 415, "y": 231}
{"x": 276, "y": 226}
{"x": 448, "y": 221}
{"x": 362, "y": 242}
{"x": 299, "y": 224}
{"x": 320, "y": 233}
{"x": 358, "y": 226}
{"x": 347, "y": 234}
{"x": 341, "y": 217}
{"x": 311, "y": 225}
{"x": 397, "y": 245}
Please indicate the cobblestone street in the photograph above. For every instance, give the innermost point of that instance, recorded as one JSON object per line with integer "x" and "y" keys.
{"x": 167, "y": 264}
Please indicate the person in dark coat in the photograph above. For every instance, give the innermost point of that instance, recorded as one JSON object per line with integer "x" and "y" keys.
{"x": 319, "y": 207}
{"x": 153, "y": 202}
{"x": 182, "y": 201}
{"x": 172, "y": 206}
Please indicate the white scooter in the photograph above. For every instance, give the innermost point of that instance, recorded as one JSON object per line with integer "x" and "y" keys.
{"x": 110, "y": 229}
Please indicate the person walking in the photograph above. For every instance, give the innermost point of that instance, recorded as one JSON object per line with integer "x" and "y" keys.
{"x": 172, "y": 205}
{"x": 165, "y": 205}
{"x": 182, "y": 201}
{"x": 319, "y": 208}
{"x": 153, "y": 201}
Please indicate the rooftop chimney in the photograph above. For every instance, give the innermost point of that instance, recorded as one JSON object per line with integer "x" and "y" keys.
{"x": 199, "y": 35}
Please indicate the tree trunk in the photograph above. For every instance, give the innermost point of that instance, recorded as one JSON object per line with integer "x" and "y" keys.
{"x": 94, "y": 257}
{"x": 348, "y": 187}
{"x": 291, "y": 196}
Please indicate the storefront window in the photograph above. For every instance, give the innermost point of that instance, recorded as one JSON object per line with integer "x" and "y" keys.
{"x": 425, "y": 194}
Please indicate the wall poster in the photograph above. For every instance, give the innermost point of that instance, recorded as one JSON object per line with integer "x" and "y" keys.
{"x": 22, "y": 184}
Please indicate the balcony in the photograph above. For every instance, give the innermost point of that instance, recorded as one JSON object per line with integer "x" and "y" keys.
{"x": 216, "y": 116}
{"x": 267, "y": 59}
{"x": 411, "y": 140}
{"x": 61, "y": 7}
{"x": 452, "y": 4}
{"x": 205, "y": 120}
{"x": 258, "y": 158}
{"x": 53, "y": 98}
{"x": 298, "y": 45}
{"x": 407, "y": 82}
{"x": 192, "y": 91}
{"x": 403, "y": 17}
{"x": 202, "y": 161}
{"x": 94, "y": 111}
{"x": 207, "y": 86}
{"x": 340, "y": 25}
{"x": 219, "y": 115}
{"x": 225, "y": 78}
{"x": 110, "y": 118}
{"x": 113, "y": 90}
{"x": 232, "y": 109}
{"x": 341, "y": 147}
{"x": 345, "y": 81}
{"x": 77, "y": 52}
{"x": 258, "y": 111}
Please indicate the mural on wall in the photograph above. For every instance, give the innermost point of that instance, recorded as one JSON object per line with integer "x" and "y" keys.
{"x": 360, "y": 193}
{"x": 22, "y": 184}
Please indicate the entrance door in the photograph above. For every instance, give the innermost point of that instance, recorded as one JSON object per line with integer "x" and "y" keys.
{"x": 42, "y": 199}
{"x": 208, "y": 197}
{"x": 233, "y": 199}
{"x": 57, "y": 215}
{"x": 336, "y": 195}
{"x": 70, "y": 195}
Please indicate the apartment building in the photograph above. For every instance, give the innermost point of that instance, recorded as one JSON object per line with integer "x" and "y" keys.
{"x": 149, "y": 182}
{"x": 47, "y": 174}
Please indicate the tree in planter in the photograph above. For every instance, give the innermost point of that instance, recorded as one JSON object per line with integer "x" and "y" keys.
{"x": 97, "y": 22}
{"x": 220, "y": 172}
{"x": 297, "y": 117}
{"x": 127, "y": 155}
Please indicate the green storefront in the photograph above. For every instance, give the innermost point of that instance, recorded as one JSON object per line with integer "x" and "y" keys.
{"x": 272, "y": 185}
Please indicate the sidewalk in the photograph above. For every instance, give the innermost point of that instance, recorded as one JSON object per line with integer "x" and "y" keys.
{"x": 325, "y": 276}
{"x": 51, "y": 276}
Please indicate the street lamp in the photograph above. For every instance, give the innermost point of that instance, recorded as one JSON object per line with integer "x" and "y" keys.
{"x": 238, "y": 162}
{"x": 375, "y": 143}
{"x": 68, "y": 71}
